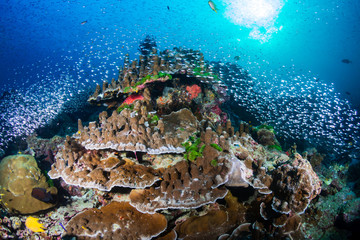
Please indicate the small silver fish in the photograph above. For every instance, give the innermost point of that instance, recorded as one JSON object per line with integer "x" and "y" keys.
{"x": 212, "y": 6}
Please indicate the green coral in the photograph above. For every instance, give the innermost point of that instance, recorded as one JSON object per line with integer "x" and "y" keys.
{"x": 217, "y": 147}
{"x": 153, "y": 119}
{"x": 193, "y": 149}
{"x": 193, "y": 155}
{"x": 214, "y": 162}
{"x": 276, "y": 146}
{"x": 124, "y": 106}
{"x": 142, "y": 81}
{"x": 145, "y": 79}
{"x": 151, "y": 77}
{"x": 264, "y": 126}
{"x": 48, "y": 179}
{"x": 202, "y": 149}
{"x": 127, "y": 89}
{"x": 163, "y": 75}
{"x": 197, "y": 73}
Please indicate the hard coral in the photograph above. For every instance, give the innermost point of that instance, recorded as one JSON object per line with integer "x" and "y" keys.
{"x": 193, "y": 91}
{"x": 19, "y": 175}
{"x": 214, "y": 222}
{"x": 117, "y": 220}
{"x": 130, "y": 131}
{"x": 100, "y": 169}
{"x": 266, "y": 137}
{"x": 185, "y": 185}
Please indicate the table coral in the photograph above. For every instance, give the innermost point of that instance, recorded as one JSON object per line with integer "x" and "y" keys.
{"x": 100, "y": 169}
{"x": 185, "y": 185}
{"x": 132, "y": 131}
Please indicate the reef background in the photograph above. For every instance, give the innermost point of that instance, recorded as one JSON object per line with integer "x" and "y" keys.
{"x": 293, "y": 65}
{"x": 314, "y": 36}
{"x": 54, "y": 51}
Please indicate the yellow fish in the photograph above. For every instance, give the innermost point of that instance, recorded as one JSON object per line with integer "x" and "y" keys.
{"x": 212, "y": 6}
{"x": 33, "y": 224}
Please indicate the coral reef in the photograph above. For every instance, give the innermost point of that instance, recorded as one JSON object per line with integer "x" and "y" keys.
{"x": 165, "y": 160}
{"x": 19, "y": 175}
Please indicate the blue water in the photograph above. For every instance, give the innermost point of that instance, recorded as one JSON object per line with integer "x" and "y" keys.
{"x": 53, "y": 50}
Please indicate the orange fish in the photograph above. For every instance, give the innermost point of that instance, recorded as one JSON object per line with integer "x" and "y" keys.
{"x": 129, "y": 100}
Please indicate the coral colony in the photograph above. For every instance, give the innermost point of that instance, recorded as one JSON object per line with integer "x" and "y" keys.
{"x": 164, "y": 162}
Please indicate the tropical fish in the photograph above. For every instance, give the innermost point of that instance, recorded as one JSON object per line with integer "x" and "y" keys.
{"x": 212, "y": 6}
{"x": 62, "y": 226}
{"x": 83, "y": 22}
{"x": 347, "y": 61}
{"x": 42, "y": 195}
{"x": 129, "y": 100}
{"x": 33, "y": 224}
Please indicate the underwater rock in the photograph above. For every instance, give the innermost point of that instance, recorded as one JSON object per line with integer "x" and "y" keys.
{"x": 19, "y": 175}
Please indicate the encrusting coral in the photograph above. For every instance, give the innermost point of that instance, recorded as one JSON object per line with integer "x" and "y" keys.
{"x": 169, "y": 104}
{"x": 117, "y": 220}
{"x": 19, "y": 175}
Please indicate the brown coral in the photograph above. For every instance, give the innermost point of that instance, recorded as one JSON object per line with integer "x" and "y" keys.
{"x": 214, "y": 223}
{"x": 133, "y": 131}
{"x": 266, "y": 137}
{"x": 294, "y": 186}
{"x": 185, "y": 185}
{"x": 19, "y": 175}
{"x": 100, "y": 169}
{"x": 117, "y": 220}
